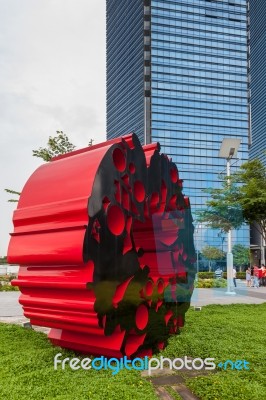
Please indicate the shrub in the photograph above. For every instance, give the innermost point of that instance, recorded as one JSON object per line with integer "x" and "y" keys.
{"x": 220, "y": 283}
{"x": 11, "y": 277}
{"x": 8, "y": 288}
{"x": 239, "y": 275}
{"x": 211, "y": 283}
{"x": 4, "y": 278}
{"x": 205, "y": 275}
{"x": 211, "y": 275}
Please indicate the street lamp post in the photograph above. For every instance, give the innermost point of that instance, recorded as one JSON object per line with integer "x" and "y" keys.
{"x": 197, "y": 274}
{"x": 197, "y": 250}
{"x": 220, "y": 235}
{"x": 228, "y": 149}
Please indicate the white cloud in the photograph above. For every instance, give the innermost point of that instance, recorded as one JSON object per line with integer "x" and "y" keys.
{"x": 52, "y": 63}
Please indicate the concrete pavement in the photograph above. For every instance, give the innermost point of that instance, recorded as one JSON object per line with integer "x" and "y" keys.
{"x": 11, "y": 311}
{"x": 9, "y": 305}
{"x": 203, "y": 297}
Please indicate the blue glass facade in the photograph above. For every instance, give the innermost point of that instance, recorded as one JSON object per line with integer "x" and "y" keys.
{"x": 125, "y": 72}
{"x": 194, "y": 87}
{"x": 257, "y": 32}
{"x": 257, "y": 69}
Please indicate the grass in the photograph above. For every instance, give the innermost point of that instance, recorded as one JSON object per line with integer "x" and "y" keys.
{"x": 235, "y": 332}
{"x": 222, "y": 332}
{"x": 27, "y": 372}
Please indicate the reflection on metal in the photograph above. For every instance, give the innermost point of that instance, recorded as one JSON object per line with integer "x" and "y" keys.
{"x": 104, "y": 240}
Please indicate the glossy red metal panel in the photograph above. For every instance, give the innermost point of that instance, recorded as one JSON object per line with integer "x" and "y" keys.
{"x": 42, "y": 248}
{"x": 103, "y": 236}
{"x": 47, "y": 203}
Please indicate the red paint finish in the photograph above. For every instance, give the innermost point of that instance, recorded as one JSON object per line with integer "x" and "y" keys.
{"x": 104, "y": 240}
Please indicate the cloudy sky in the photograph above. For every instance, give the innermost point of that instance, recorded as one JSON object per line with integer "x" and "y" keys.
{"x": 52, "y": 77}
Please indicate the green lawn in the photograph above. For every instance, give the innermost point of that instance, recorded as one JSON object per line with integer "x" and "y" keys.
{"x": 235, "y": 332}
{"x": 223, "y": 332}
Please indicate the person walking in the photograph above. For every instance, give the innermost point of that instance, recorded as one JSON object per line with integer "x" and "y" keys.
{"x": 218, "y": 273}
{"x": 234, "y": 276}
{"x": 260, "y": 276}
{"x": 248, "y": 277}
{"x": 263, "y": 275}
{"x": 256, "y": 276}
{"x": 252, "y": 276}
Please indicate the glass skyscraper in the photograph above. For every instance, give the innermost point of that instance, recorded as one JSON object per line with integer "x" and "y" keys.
{"x": 257, "y": 77}
{"x": 257, "y": 46}
{"x": 177, "y": 74}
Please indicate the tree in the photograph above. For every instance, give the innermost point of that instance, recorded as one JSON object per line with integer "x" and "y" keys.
{"x": 56, "y": 145}
{"x": 223, "y": 211}
{"x": 12, "y": 192}
{"x": 241, "y": 255}
{"x": 242, "y": 200}
{"x": 252, "y": 193}
{"x": 3, "y": 260}
{"x": 212, "y": 253}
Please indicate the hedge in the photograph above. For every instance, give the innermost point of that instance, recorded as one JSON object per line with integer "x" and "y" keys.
{"x": 211, "y": 283}
{"x": 211, "y": 275}
{"x": 8, "y": 288}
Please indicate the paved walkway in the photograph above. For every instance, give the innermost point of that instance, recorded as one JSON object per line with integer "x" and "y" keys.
{"x": 9, "y": 305}
{"x": 203, "y": 297}
{"x": 167, "y": 383}
{"x": 12, "y": 312}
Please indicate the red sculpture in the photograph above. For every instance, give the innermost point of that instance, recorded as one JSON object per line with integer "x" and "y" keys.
{"x": 104, "y": 240}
